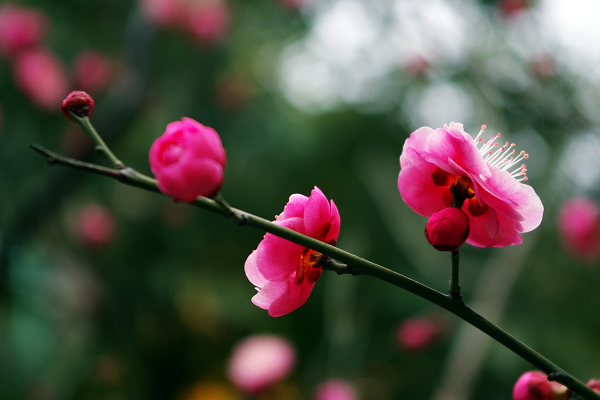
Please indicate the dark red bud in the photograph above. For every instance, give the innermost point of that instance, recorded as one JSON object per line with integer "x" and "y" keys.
{"x": 447, "y": 229}
{"x": 79, "y": 103}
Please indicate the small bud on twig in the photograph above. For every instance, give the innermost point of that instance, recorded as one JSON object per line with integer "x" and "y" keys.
{"x": 79, "y": 103}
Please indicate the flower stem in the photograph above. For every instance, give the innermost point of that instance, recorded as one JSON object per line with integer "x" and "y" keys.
{"x": 354, "y": 265}
{"x": 99, "y": 144}
{"x": 454, "y": 286}
{"x": 457, "y": 201}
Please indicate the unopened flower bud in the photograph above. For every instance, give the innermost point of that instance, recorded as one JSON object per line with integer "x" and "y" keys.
{"x": 447, "y": 229}
{"x": 534, "y": 385}
{"x": 188, "y": 160}
{"x": 79, "y": 103}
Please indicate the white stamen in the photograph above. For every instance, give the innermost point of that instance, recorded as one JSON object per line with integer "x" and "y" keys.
{"x": 502, "y": 158}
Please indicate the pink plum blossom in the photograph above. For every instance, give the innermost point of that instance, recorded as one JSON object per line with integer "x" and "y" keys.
{"x": 283, "y": 272}
{"x": 579, "y": 227}
{"x": 487, "y": 178}
{"x": 20, "y": 28}
{"x": 188, "y": 160}
{"x": 336, "y": 389}
{"x": 417, "y": 333}
{"x": 258, "y": 362}
{"x": 534, "y": 385}
{"x": 96, "y": 225}
{"x": 42, "y": 77}
{"x": 207, "y": 21}
{"x": 92, "y": 71}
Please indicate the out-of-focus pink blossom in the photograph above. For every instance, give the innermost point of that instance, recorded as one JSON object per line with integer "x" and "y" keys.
{"x": 20, "y": 28}
{"x": 92, "y": 71}
{"x": 485, "y": 175}
{"x": 188, "y": 160}
{"x": 163, "y": 13}
{"x": 417, "y": 333}
{"x": 594, "y": 384}
{"x": 96, "y": 225}
{"x": 534, "y": 385}
{"x": 207, "y": 20}
{"x": 336, "y": 389}
{"x": 447, "y": 229}
{"x": 293, "y": 4}
{"x": 283, "y": 272}
{"x": 259, "y": 362}
{"x": 42, "y": 77}
{"x": 579, "y": 227}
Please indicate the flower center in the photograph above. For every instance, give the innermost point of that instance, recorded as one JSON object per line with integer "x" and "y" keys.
{"x": 309, "y": 266}
{"x": 503, "y": 157}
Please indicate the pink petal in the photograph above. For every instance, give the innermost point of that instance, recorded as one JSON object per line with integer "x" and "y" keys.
{"x": 418, "y": 141}
{"x": 419, "y": 192}
{"x": 278, "y": 258}
{"x": 292, "y": 299}
{"x": 334, "y": 221}
{"x": 269, "y": 293}
{"x": 252, "y": 272}
{"x": 316, "y": 212}
{"x": 294, "y": 207}
{"x": 507, "y": 233}
{"x": 452, "y": 145}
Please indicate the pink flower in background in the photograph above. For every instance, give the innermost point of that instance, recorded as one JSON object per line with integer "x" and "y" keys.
{"x": 207, "y": 20}
{"x": 579, "y": 227}
{"x": 259, "y": 362}
{"x": 20, "y": 28}
{"x": 417, "y": 333}
{"x": 96, "y": 225}
{"x": 42, "y": 77}
{"x": 594, "y": 384}
{"x": 336, "y": 389}
{"x": 486, "y": 175}
{"x": 163, "y": 13}
{"x": 283, "y": 272}
{"x": 534, "y": 385}
{"x": 92, "y": 71}
{"x": 188, "y": 160}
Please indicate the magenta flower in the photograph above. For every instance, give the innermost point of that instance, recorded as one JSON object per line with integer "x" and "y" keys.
{"x": 259, "y": 362}
{"x": 486, "y": 175}
{"x": 579, "y": 227}
{"x": 96, "y": 225}
{"x": 283, "y": 272}
{"x": 188, "y": 160}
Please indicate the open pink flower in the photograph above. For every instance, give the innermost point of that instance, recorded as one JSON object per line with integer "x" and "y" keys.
{"x": 188, "y": 160}
{"x": 485, "y": 174}
{"x": 579, "y": 227}
{"x": 283, "y": 272}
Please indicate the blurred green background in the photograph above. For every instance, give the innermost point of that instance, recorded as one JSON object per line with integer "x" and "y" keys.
{"x": 323, "y": 93}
